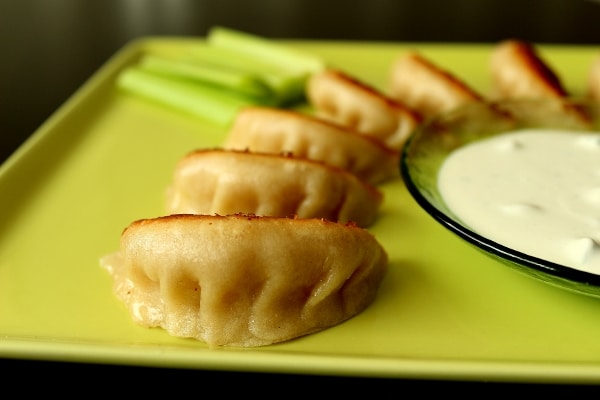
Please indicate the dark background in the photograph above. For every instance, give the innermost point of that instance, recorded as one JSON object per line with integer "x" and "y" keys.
{"x": 49, "y": 48}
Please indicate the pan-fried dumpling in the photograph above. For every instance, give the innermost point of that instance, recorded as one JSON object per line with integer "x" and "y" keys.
{"x": 242, "y": 280}
{"x": 217, "y": 181}
{"x": 519, "y": 73}
{"x": 272, "y": 130}
{"x": 426, "y": 87}
{"x": 338, "y": 97}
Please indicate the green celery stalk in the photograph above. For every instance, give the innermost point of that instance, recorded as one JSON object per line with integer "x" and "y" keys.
{"x": 246, "y": 83}
{"x": 287, "y": 85}
{"x": 212, "y": 104}
{"x": 265, "y": 49}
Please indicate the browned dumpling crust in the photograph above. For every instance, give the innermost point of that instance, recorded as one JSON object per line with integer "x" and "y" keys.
{"x": 272, "y": 130}
{"x": 218, "y": 181}
{"x": 343, "y": 99}
{"x": 519, "y": 72}
{"x": 244, "y": 280}
{"x": 426, "y": 87}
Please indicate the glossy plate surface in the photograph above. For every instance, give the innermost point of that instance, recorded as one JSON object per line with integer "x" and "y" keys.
{"x": 445, "y": 310}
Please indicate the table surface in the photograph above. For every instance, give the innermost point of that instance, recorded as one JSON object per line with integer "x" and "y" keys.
{"x": 50, "y": 48}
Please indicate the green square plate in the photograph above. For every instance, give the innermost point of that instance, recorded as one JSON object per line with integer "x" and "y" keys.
{"x": 444, "y": 311}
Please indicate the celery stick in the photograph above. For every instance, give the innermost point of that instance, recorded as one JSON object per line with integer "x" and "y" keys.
{"x": 237, "y": 80}
{"x": 265, "y": 49}
{"x": 214, "y": 105}
{"x": 287, "y": 85}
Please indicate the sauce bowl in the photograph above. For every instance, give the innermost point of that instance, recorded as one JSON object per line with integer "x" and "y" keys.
{"x": 436, "y": 138}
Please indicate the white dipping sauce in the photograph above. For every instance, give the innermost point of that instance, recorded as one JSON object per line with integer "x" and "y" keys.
{"x": 536, "y": 191}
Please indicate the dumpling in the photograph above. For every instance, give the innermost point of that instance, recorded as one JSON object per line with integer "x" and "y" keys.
{"x": 272, "y": 130}
{"x": 338, "y": 97}
{"x": 427, "y": 88}
{"x": 218, "y": 181}
{"x": 243, "y": 280}
{"x": 518, "y": 72}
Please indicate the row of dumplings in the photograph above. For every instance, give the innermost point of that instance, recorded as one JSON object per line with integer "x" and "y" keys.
{"x": 263, "y": 240}
{"x": 517, "y": 71}
{"x": 280, "y": 162}
{"x": 328, "y": 163}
